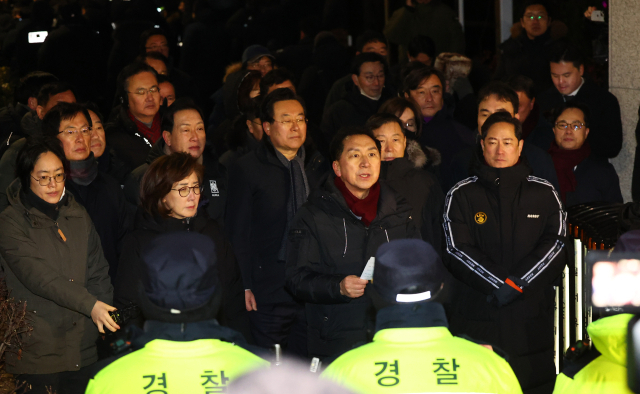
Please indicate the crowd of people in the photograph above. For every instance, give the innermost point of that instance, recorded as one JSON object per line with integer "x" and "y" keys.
{"x": 172, "y": 229}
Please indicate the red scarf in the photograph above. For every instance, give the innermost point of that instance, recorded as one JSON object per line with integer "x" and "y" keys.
{"x": 367, "y": 208}
{"x": 565, "y": 161}
{"x": 152, "y": 134}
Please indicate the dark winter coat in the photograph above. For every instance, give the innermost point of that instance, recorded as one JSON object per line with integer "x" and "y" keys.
{"x": 10, "y": 118}
{"x": 104, "y": 201}
{"x": 407, "y": 176}
{"x": 327, "y": 243}
{"x": 605, "y": 135}
{"x": 256, "y": 221}
{"x": 60, "y": 281}
{"x": 500, "y": 223}
{"x": 147, "y": 228}
{"x": 354, "y": 109}
{"x": 129, "y": 145}
{"x": 597, "y": 180}
{"x": 214, "y": 193}
{"x": 523, "y": 56}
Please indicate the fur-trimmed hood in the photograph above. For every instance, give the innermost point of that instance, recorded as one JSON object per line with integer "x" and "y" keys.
{"x": 422, "y": 157}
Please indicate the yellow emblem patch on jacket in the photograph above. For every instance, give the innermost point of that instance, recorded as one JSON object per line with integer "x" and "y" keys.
{"x": 480, "y": 217}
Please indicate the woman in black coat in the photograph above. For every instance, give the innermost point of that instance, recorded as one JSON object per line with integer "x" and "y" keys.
{"x": 403, "y": 168}
{"x": 169, "y": 199}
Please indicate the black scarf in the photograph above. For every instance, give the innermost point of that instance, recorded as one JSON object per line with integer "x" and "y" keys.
{"x": 83, "y": 172}
{"x": 51, "y": 210}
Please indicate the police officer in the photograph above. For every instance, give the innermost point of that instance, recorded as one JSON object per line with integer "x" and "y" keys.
{"x": 413, "y": 350}
{"x": 183, "y": 349}
{"x": 603, "y": 368}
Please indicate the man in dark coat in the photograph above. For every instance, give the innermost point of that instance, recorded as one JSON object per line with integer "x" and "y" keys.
{"x": 366, "y": 94}
{"x": 528, "y": 53}
{"x": 567, "y": 69}
{"x": 183, "y": 131}
{"x": 505, "y": 234}
{"x": 266, "y": 188}
{"x": 335, "y": 235}
{"x": 499, "y": 97}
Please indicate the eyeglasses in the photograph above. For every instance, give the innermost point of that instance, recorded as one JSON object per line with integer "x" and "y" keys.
{"x": 410, "y": 125}
{"x": 156, "y": 48}
{"x": 144, "y": 92}
{"x": 532, "y": 17}
{"x": 259, "y": 65}
{"x": 575, "y": 125}
{"x": 71, "y": 132}
{"x": 289, "y": 123}
{"x": 258, "y": 123}
{"x": 185, "y": 190}
{"x": 371, "y": 78}
{"x": 46, "y": 180}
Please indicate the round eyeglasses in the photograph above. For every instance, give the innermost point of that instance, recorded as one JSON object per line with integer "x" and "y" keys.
{"x": 46, "y": 180}
{"x": 185, "y": 190}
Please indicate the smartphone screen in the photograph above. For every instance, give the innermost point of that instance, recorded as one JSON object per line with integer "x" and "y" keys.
{"x": 36, "y": 37}
{"x": 616, "y": 283}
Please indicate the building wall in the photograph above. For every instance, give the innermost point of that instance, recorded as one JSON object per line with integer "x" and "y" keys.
{"x": 624, "y": 80}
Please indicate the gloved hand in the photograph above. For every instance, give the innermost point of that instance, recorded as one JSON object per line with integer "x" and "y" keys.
{"x": 508, "y": 292}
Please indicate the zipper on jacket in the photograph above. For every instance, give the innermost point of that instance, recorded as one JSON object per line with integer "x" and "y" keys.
{"x": 64, "y": 239}
{"x": 344, "y": 223}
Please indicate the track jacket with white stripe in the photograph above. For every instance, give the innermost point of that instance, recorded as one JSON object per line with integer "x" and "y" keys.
{"x": 503, "y": 223}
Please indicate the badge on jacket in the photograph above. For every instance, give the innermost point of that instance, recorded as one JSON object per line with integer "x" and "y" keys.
{"x": 480, "y": 217}
{"x": 214, "y": 188}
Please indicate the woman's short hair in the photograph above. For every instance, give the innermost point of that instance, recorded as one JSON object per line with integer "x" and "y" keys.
{"x": 160, "y": 177}
{"x": 397, "y": 105}
{"x": 30, "y": 153}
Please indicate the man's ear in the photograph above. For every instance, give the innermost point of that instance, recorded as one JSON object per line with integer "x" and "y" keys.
{"x": 533, "y": 101}
{"x": 410, "y": 57}
{"x": 482, "y": 144}
{"x": 406, "y": 95}
{"x": 266, "y": 127}
{"x": 32, "y": 103}
{"x": 520, "y": 145}
{"x": 166, "y": 136}
{"x": 581, "y": 69}
{"x": 40, "y": 111}
{"x": 586, "y": 133}
{"x": 354, "y": 78}
{"x": 336, "y": 168}
{"x": 517, "y": 116}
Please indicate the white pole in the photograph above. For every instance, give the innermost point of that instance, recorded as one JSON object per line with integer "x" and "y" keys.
{"x": 461, "y": 13}
{"x": 565, "y": 309}
{"x": 556, "y": 330}
{"x": 506, "y": 19}
{"x": 578, "y": 297}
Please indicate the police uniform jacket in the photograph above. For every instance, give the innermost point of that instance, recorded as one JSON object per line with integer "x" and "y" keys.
{"x": 327, "y": 243}
{"x": 500, "y": 223}
{"x": 59, "y": 278}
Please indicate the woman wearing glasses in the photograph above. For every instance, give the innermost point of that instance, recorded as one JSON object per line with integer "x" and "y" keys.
{"x": 583, "y": 177}
{"x": 52, "y": 259}
{"x": 170, "y": 194}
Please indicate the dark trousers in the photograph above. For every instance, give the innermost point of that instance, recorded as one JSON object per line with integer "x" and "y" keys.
{"x": 67, "y": 382}
{"x": 283, "y": 324}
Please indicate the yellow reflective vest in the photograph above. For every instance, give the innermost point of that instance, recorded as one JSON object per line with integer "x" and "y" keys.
{"x": 604, "y": 371}
{"x": 422, "y": 360}
{"x": 170, "y": 367}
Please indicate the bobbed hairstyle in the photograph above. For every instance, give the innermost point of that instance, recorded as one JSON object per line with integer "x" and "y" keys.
{"x": 268, "y": 103}
{"x": 158, "y": 181}
{"x": 502, "y": 91}
{"x": 60, "y": 112}
{"x": 125, "y": 75}
{"x": 502, "y": 117}
{"x": 337, "y": 143}
{"x": 245, "y": 86}
{"x": 30, "y": 153}
{"x": 275, "y": 77}
{"x": 380, "y": 119}
{"x": 180, "y": 104}
{"x": 520, "y": 83}
{"x": 367, "y": 57}
{"x": 397, "y": 105}
{"x": 30, "y": 85}
{"x": 557, "y": 111}
{"x": 51, "y": 89}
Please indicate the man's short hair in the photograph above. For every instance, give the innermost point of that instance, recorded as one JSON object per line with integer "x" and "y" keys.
{"x": 529, "y": 3}
{"x": 501, "y": 90}
{"x": 153, "y": 55}
{"x": 380, "y": 119}
{"x": 93, "y": 107}
{"x": 413, "y": 80}
{"x": 422, "y": 44}
{"x": 502, "y": 117}
{"x": 557, "y": 111}
{"x": 565, "y": 52}
{"x": 147, "y": 34}
{"x": 520, "y": 83}
{"x": 62, "y": 111}
{"x": 369, "y": 36}
{"x": 367, "y": 57}
{"x": 180, "y": 104}
{"x": 275, "y": 77}
{"x": 51, "y": 89}
{"x": 30, "y": 85}
{"x": 164, "y": 78}
{"x": 29, "y": 154}
{"x": 337, "y": 143}
{"x": 129, "y": 71}
{"x": 281, "y": 94}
